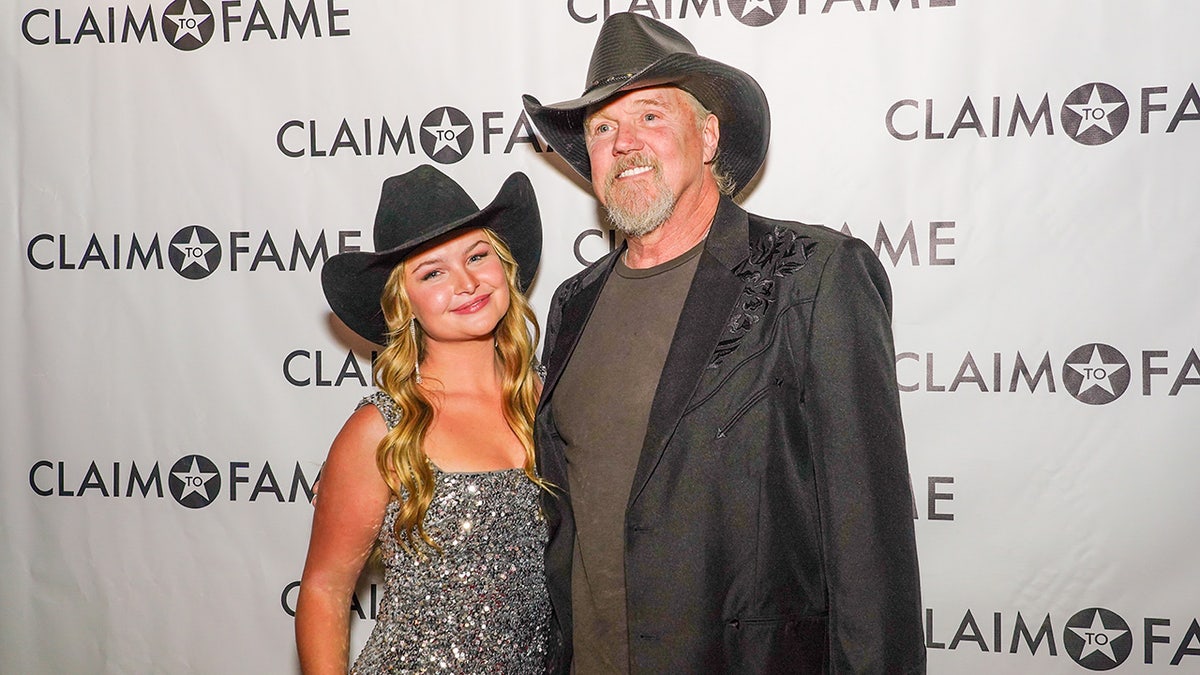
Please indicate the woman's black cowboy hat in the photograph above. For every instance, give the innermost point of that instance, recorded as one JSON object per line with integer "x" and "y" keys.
{"x": 634, "y": 52}
{"x": 414, "y": 209}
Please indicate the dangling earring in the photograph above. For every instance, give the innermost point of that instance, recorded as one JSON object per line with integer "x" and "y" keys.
{"x": 412, "y": 331}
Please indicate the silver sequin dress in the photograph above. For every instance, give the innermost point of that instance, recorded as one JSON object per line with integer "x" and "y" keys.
{"x": 478, "y": 607}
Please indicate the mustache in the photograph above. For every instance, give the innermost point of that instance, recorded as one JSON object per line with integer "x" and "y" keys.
{"x": 630, "y": 161}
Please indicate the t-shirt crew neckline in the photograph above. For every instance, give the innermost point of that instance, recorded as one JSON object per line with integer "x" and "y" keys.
{"x": 627, "y": 272}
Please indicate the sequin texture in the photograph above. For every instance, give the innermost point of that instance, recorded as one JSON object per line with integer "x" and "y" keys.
{"x": 480, "y": 606}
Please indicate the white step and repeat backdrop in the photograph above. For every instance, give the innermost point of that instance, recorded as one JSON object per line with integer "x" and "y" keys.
{"x": 174, "y": 173}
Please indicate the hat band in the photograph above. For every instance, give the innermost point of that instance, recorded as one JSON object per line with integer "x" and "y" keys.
{"x": 600, "y": 82}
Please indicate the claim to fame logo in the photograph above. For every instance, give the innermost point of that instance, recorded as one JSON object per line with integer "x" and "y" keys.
{"x": 1098, "y": 639}
{"x": 195, "y": 481}
{"x": 1095, "y": 113}
{"x": 195, "y": 252}
{"x": 1096, "y": 374}
{"x": 446, "y": 135}
{"x": 188, "y": 24}
{"x": 757, "y": 12}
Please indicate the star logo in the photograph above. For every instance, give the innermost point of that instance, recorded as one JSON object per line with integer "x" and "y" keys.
{"x": 1095, "y": 113}
{"x": 759, "y": 5}
{"x": 446, "y": 135}
{"x": 1098, "y": 639}
{"x": 195, "y": 252}
{"x": 1096, "y": 374}
{"x": 194, "y": 481}
{"x": 188, "y": 24}
{"x": 757, "y": 12}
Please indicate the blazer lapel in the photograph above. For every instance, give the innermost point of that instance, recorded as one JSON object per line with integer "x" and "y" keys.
{"x": 576, "y": 310}
{"x": 709, "y": 303}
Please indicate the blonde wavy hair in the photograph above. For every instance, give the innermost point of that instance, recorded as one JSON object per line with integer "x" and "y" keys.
{"x": 400, "y": 456}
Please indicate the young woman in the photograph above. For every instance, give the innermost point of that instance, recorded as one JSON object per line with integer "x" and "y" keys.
{"x": 436, "y": 469}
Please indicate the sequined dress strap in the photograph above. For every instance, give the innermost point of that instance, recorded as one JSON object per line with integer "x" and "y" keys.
{"x": 386, "y": 406}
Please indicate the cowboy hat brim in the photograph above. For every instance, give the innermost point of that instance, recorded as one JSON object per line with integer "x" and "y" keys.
{"x": 732, "y": 95}
{"x": 353, "y": 282}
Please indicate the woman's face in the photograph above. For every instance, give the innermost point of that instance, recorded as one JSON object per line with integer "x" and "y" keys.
{"x": 457, "y": 288}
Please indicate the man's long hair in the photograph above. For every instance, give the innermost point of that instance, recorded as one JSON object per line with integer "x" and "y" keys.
{"x": 725, "y": 184}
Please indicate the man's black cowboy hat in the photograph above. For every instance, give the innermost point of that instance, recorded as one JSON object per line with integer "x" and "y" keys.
{"x": 415, "y": 208}
{"x": 634, "y": 52}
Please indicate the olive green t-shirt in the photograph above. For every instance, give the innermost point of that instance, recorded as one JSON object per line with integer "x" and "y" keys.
{"x": 601, "y": 408}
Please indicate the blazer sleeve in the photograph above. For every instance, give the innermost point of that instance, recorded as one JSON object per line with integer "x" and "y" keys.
{"x": 863, "y": 486}
{"x": 554, "y": 319}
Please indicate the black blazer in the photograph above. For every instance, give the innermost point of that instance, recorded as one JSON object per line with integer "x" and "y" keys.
{"x": 769, "y": 528}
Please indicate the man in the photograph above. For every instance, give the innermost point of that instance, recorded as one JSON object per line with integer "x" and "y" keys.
{"x": 720, "y": 411}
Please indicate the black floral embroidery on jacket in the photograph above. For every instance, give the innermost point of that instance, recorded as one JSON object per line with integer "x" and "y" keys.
{"x": 777, "y": 254}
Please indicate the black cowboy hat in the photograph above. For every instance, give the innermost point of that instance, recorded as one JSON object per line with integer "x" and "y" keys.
{"x": 414, "y": 209}
{"x": 634, "y": 52}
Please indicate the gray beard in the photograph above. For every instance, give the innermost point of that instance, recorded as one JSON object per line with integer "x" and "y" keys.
{"x": 641, "y": 219}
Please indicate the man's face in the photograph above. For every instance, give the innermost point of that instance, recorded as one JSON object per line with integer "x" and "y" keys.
{"x": 648, "y": 152}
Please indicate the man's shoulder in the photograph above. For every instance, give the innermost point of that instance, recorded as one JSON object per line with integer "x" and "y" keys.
{"x": 821, "y": 234}
{"x": 820, "y": 243}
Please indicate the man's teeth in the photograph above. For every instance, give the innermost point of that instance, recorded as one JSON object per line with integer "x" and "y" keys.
{"x": 633, "y": 172}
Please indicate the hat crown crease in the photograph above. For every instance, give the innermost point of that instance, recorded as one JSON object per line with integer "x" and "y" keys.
{"x": 430, "y": 197}
{"x": 629, "y": 44}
